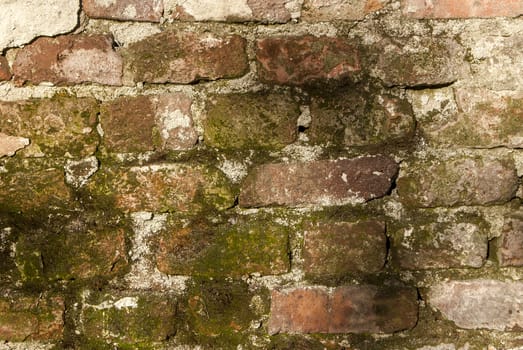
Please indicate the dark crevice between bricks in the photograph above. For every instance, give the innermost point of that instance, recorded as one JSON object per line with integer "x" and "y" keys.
{"x": 426, "y": 86}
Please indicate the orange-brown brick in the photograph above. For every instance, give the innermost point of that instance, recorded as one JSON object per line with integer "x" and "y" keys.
{"x": 5, "y": 71}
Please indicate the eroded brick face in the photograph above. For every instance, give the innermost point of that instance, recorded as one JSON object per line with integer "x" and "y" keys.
{"x": 463, "y": 9}
{"x": 137, "y": 10}
{"x": 5, "y": 71}
{"x": 328, "y": 10}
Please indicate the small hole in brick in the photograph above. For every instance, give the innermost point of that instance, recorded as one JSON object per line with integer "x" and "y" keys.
{"x": 302, "y": 128}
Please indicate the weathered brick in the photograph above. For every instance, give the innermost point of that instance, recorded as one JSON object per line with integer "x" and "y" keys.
{"x": 341, "y": 248}
{"x": 23, "y": 20}
{"x": 481, "y": 118}
{"x": 463, "y": 9}
{"x": 302, "y": 60}
{"x": 510, "y": 245}
{"x": 457, "y": 181}
{"x": 59, "y": 127}
{"x": 419, "y": 62}
{"x": 426, "y": 241}
{"x": 346, "y": 309}
{"x": 480, "y": 303}
{"x": 271, "y": 11}
{"x": 329, "y": 10}
{"x": 352, "y": 118}
{"x": 266, "y": 120}
{"x": 127, "y": 318}
{"x": 31, "y": 317}
{"x": 326, "y": 182}
{"x": 68, "y": 60}
{"x": 161, "y": 187}
{"x": 5, "y": 70}
{"x": 185, "y": 57}
{"x": 135, "y": 10}
{"x": 250, "y": 245}
{"x": 9, "y": 145}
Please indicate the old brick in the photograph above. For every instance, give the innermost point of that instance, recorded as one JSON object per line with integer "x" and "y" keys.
{"x": 161, "y": 187}
{"x": 463, "y": 9}
{"x": 266, "y": 120}
{"x": 61, "y": 126}
{"x": 10, "y": 144}
{"x": 352, "y": 118}
{"x": 346, "y": 309}
{"x": 68, "y": 60}
{"x": 271, "y": 11}
{"x": 328, "y": 10}
{"x": 135, "y": 10}
{"x": 128, "y": 318}
{"x": 457, "y": 181}
{"x": 480, "y": 303}
{"x": 340, "y": 248}
{"x": 250, "y": 245}
{"x": 327, "y": 182}
{"x": 419, "y": 62}
{"x": 426, "y": 241}
{"x": 302, "y": 60}
{"x": 510, "y": 244}
{"x": 185, "y": 57}
{"x": 31, "y": 317}
{"x": 23, "y": 20}
{"x": 5, "y": 71}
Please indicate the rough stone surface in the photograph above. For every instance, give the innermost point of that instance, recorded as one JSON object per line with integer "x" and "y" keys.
{"x": 463, "y": 9}
{"x": 23, "y": 20}
{"x": 480, "y": 303}
{"x": 61, "y": 126}
{"x": 327, "y": 182}
{"x": 346, "y": 309}
{"x": 136, "y": 10}
{"x": 420, "y": 61}
{"x": 457, "y": 181}
{"x": 302, "y": 60}
{"x": 10, "y": 144}
{"x": 271, "y": 11}
{"x": 69, "y": 59}
{"x": 352, "y": 118}
{"x": 344, "y": 248}
{"x": 510, "y": 244}
{"x": 429, "y": 242}
{"x": 328, "y": 10}
{"x": 185, "y": 57}
{"x": 78, "y": 172}
{"x": 257, "y": 120}
{"x": 28, "y": 317}
{"x": 5, "y": 71}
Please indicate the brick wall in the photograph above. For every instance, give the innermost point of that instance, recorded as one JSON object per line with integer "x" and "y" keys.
{"x": 261, "y": 174}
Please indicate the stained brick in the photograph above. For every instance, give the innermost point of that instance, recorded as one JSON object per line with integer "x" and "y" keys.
{"x": 510, "y": 243}
{"x": 327, "y": 182}
{"x": 185, "y": 57}
{"x": 329, "y": 10}
{"x": 5, "y": 71}
{"x": 136, "y": 10}
{"x": 301, "y": 60}
{"x": 346, "y": 309}
{"x": 480, "y": 303}
{"x": 266, "y": 120}
{"x": 31, "y": 317}
{"x": 340, "y": 248}
{"x": 457, "y": 181}
{"x": 68, "y": 60}
{"x": 463, "y": 9}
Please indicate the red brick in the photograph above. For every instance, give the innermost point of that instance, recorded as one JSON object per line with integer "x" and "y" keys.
{"x": 336, "y": 249}
{"x": 328, "y": 10}
{"x": 510, "y": 244}
{"x": 135, "y": 10}
{"x": 307, "y": 59}
{"x": 68, "y": 60}
{"x": 462, "y": 8}
{"x": 326, "y": 182}
{"x": 185, "y": 57}
{"x": 5, "y": 71}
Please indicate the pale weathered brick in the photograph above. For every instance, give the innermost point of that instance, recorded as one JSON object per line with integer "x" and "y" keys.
{"x": 327, "y": 182}
{"x": 329, "y": 10}
{"x": 457, "y": 181}
{"x": 480, "y": 303}
{"x": 10, "y": 144}
{"x": 135, "y": 10}
{"x": 69, "y": 59}
{"x": 462, "y": 9}
{"x": 5, "y": 71}
{"x": 510, "y": 244}
{"x": 301, "y": 60}
{"x": 198, "y": 57}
